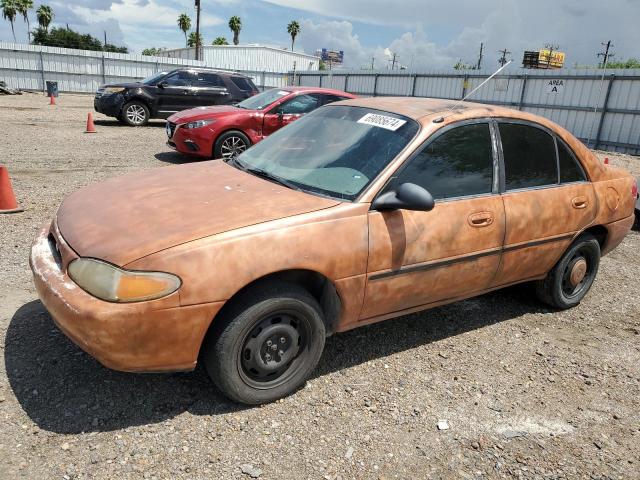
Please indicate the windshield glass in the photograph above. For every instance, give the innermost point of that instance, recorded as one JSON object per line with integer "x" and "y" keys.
{"x": 153, "y": 78}
{"x": 263, "y": 100}
{"x": 336, "y": 151}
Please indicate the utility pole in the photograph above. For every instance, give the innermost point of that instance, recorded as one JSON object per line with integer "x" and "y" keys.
{"x": 503, "y": 59}
{"x": 552, "y": 48}
{"x": 105, "y": 39}
{"x": 393, "y": 61}
{"x": 373, "y": 63}
{"x": 197, "y": 29}
{"x": 606, "y": 54}
{"x": 480, "y": 57}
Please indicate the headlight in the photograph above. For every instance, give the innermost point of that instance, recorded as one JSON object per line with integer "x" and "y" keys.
{"x": 113, "y": 284}
{"x": 114, "y": 89}
{"x": 198, "y": 124}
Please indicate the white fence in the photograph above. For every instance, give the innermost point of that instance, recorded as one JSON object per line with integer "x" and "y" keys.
{"x": 602, "y": 111}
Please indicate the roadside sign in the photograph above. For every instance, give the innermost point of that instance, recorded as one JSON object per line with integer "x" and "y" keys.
{"x": 555, "y": 86}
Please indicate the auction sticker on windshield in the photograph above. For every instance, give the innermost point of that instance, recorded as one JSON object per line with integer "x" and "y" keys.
{"x": 382, "y": 121}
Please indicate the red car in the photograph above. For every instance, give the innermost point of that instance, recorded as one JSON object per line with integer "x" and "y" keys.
{"x": 226, "y": 131}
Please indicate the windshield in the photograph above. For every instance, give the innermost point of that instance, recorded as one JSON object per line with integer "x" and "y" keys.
{"x": 336, "y": 150}
{"x": 153, "y": 78}
{"x": 263, "y": 100}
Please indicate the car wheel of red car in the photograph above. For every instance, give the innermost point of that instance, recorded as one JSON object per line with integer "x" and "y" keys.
{"x": 230, "y": 144}
{"x": 569, "y": 281}
{"x": 267, "y": 343}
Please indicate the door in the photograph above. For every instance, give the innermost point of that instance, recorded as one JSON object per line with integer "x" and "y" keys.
{"x": 209, "y": 89}
{"x": 547, "y": 200}
{"x": 289, "y": 111}
{"x": 176, "y": 92}
{"x": 418, "y": 258}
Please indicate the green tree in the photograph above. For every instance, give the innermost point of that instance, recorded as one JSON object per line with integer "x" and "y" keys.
{"x": 9, "y": 12}
{"x": 23, "y": 7}
{"x": 192, "y": 40}
{"x": 67, "y": 38}
{"x": 293, "y": 29}
{"x": 44, "y": 14}
{"x": 184, "y": 23}
{"x": 153, "y": 51}
{"x": 235, "y": 25}
{"x": 630, "y": 63}
{"x": 220, "y": 41}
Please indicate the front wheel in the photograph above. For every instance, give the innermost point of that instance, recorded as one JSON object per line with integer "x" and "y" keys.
{"x": 230, "y": 145}
{"x": 266, "y": 344}
{"x": 571, "y": 278}
{"x": 135, "y": 114}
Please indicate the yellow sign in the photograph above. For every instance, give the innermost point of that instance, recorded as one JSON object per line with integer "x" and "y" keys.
{"x": 557, "y": 58}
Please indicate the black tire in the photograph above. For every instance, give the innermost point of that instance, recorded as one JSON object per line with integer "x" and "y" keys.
{"x": 135, "y": 114}
{"x": 559, "y": 289}
{"x": 230, "y": 144}
{"x": 237, "y": 351}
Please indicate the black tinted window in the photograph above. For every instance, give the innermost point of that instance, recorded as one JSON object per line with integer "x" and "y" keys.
{"x": 300, "y": 104}
{"x": 181, "y": 79}
{"x": 529, "y": 156}
{"x": 210, "y": 80}
{"x": 570, "y": 170}
{"x": 244, "y": 84}
{"x": 332, "y": 98}
{"x": 458, "y": 163}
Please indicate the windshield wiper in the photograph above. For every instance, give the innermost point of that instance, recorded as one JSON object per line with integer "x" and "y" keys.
{"x": 258, "y": 172}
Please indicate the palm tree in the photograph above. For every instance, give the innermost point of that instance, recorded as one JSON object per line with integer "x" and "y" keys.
{"x": 23, "y": 7}
{"x": 220, "y": 41}
{"x": 294, "y": 29}
{"x": 235, "y": 24}
{"x": 9, "y": 12}
{"x": 184, "y": 23}
{"x": 192, "y": 40}
{"x": 44, "y": 14}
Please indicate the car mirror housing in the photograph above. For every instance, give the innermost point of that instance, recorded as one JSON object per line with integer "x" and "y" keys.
{"x": 162, "y": 84}
{"x": 407, "y": 196}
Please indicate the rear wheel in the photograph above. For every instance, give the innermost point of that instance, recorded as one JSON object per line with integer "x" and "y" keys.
{"x": 571, "y": 278}
{"x": 266, "y": 344}
{"x": 135, "y": 114}
{"x": 230, "y": 144}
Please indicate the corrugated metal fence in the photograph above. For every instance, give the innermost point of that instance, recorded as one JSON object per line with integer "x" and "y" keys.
{"x": 602, "y": 111}
{"x": 28, "y": 67}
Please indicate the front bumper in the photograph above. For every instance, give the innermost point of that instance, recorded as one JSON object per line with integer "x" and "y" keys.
{"x": 197, "y": 142}
{"x": 147, "y": 336}
{"x": 109, "y": 105}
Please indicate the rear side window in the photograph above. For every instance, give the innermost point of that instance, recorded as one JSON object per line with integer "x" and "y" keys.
{"x": 209, "y": 80}
{"x": 529, "y": 156}
{"x": 458, "y": 163}
{"x": 570, "y": 169}
{"x": 332, "y": 98}
{"x": 244, "y": 84}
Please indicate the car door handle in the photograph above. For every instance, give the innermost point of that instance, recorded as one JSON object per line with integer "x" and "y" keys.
{"x": 481, "y": 219}
{"x": 580, "y": 202}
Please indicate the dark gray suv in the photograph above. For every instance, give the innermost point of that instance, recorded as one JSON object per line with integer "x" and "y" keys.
{"x": 166, "y": 93}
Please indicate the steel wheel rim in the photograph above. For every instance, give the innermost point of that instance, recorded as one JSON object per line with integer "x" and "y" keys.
{"x": 571, "y": 289}
{"x": 135, "y": 114}
{"x": 232, "y": 147}
{"x": 261, "y": 365}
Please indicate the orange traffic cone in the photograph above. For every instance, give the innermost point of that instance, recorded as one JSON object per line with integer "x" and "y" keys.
{"x": 52, "y": 100}
{"x": 91, "y": 128}
{"x": 8, "y": 202}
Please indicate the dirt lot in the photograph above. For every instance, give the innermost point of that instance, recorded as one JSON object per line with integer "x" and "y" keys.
{"x": 527, "y": 392}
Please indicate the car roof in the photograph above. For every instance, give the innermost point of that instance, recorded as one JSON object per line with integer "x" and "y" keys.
{"x": 425, "y": 109}
{"x": 210, "y": 70}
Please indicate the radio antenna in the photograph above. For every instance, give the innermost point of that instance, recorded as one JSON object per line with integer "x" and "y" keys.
{"x": 459, "y": 102}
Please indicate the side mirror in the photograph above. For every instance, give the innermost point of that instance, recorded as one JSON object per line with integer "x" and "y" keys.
{"x": 162, "y": 84}
{"x": 280, "y": 116}
{"x": 407, "y": 196}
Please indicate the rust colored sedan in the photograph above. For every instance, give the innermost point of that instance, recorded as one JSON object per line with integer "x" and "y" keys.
{"x": 361, "y": 211}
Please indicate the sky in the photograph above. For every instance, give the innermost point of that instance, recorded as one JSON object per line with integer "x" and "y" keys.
{"x": 424, "y": 34}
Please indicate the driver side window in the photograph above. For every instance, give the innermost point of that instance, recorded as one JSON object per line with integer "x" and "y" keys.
{"x": 180, "y": 79}
{"x": 299, "y": 105}
{"x": 458, "y": 163}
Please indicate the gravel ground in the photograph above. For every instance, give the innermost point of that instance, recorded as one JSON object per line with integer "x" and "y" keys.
{"x": 518, "y": 390}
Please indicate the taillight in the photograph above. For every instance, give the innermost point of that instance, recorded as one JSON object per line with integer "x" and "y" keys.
{"x": 634, "y": 189}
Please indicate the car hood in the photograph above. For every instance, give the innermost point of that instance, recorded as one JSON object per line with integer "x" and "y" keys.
{"x": 126, "y": 218}
{"x": 124, "y": 85}
{"x": 206, "y": 113}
